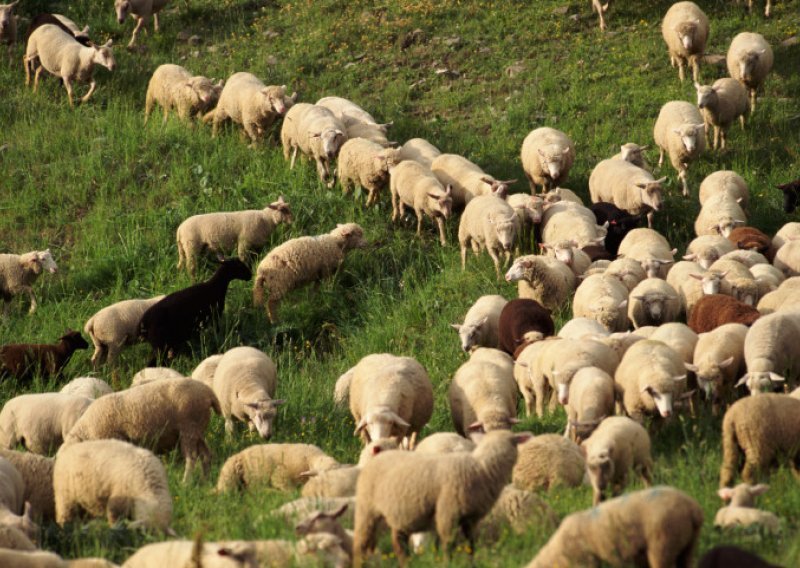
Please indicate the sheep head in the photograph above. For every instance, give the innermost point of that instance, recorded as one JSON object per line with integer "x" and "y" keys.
{"x": 743, "y": 495}
{"x": 470, "y": 333}
{"x": 760, "y": 381}
{"x": 380, "y": 423}
{"x": 562, "y": 250}
{"x": 276, "y": 99}
{"x": 204, "y": 91}
{"x": 441, "y": 202}
{"x": 282, "y": 210}
{"x": 632, "y": 153}
{"x": 7, "y": 17}
{"x": 600, "y": 466}
{"x": 748, "y": 62}
{"x": 521, "y": 269}
{"x": 351, "y": 235}
{"x": 122, "y": 8}
{"x": 706, "y": 95}
{"x": 331, "y": 141}
{"x": 686, "y": 32}
{"x": 650, "y": 192}
{"x": 261, "y": 414}
{"x": 321, "y": 522}
{"x": 710, "y": 375}
{"x": 689, "y": 135}
{"x": 790, "y": 191}
{"x": 103, "y": 55}
{"x": 663, "y": 393}
{"x": 74, "y": 340}
{"x": 506, "y": 230}
{"x": 551, "y": 160}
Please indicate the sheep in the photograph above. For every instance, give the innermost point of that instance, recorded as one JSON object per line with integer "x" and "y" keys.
{"x": 358, "y": 122}
{"x": 707, "y": 249}
{"x": 543, "y": 279}
{"x": 171, "y": 322}
{"x": 244, "y": 383}
{"x": 23, "y": 361}
{"x": 677, "y": 132}
{"x": 172, "y": 86}
{"x": 247, "y": 101}
{"x": 620, "y": 223}
{"x": 519, "y": 511}
{"x": 569, "y": 252}
{"x": 365, "y": 164}
{"x": 151, "y": 374}
{"x": 18, "y": 272}
{"x": 419, "y": 150}
{"x": 791, "y": 191}
{"x": 652, "y": 380}
{"x": 299, "y": 509}
{"x": 617, "y": 445}
{"x": 726, "y": 556}
{"x": 767, "y": 277}
{"x": 37, "y": 473}
{"x": 766, "y": 429}
{"x": 659, "y": 526}
{"x": 548, "y": 461}
{"x": 579, "y": 328}
{"x": 749, "y": 61}
{"x": 114, "y": 327}
{"x": 721, "y": 104}
{"x": 142, "y": 11}
{"x": 412, "y": 185}
{"x": 741, "y": 511}
{"x": 685, "y": 30}
{"x": 691, "y": 281}
{"x": 197, "y": 554}
{"x": 530, "y": 377}
{"x": 725, "y": 181}
{"x": 784, "y": 297}
{"x": 301, "y": 261}
{"x": 41, "y": 421}
{"x": 651, "y": 249}
{"x": 317, "y": 133}
{"x": 58, "y": 52}
{"x": 88, "y": 387}
{"x": 523, "y": 321}
{"x": 528, "y": 210}
{"x": 487, "y": 222}
{"x": 787, "y": 259}
{"x": 632, "y": 152}
{"x": 466, "y": 178}
{"x": 161, "y": 414}
{"x": 788, "y": 232}
{"x": 14, "y": 512}
{"x": 714, "y": 310}
{"x": 480, "y": 327}
{"x": 752, "y": 239}
{"x": 63, "y": 22}
{"x": 769, "y": 351}
{"x": 720, "y": 214}
{"x": 627, "y": 186}
{"x": 111, "y": 478}
{"x": 576, "y": 226}
{"x": 444, "y": 443}
{"x": 414, "y": 492}
{"x": 547, "y": 155}
{"x": 653, "y": 302}
{"x": 604, "y": 299}
{"x": 483, "y": 394}
{"x": 591, "y": 398}
{"x": 630, "y": 271}
{"x": 8, "y": 25}
{"x": 389, "y": 396}
{"x": 14, "y": 539}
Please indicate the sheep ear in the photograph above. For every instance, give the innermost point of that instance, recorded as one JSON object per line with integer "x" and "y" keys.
{"x": 726, "y": 363}
{"x": 623, "y": 304}
{"x": 776, "y": 378}
{"x": 742, "y": 381}
{"x": 339, "y": 512}
{"x": 277, "y": 402}
{"x": 361, "y": 425}
{"x": 308, "y": 474}
{"x": 679, "y": 378}
{"x": 456, "y": 326}
{"x": 521, "y": 438}
{"x": 759, "y": 489}
{"x": 482, "y": 321}
{"x": 726, "y": 493}
{"x": 28, "y": 511}
{"x": 399, "y": 421}
{"x": 475, "y": 427}
{"x": 314, "y": 135}
{"x": 690, "y": 367}
{"x": 695, "y": 276}
{"x": 109, "y": 43}
{"x": 676, "y": 130}
{"x": 521, "y": 363}
{"x": 85, "y": 30}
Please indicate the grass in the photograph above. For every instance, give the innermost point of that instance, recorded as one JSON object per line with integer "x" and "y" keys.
{"x": 106, "y": 195}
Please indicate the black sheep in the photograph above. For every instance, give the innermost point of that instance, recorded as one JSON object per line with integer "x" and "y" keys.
{"x": 39, "y": 20}
{"x": 25, "y": 360}
{"x": 732, "y": 557}
{"x": 620, "y": 223}
{"x": 523, "y": 321}
{"x": 791, "y": 191}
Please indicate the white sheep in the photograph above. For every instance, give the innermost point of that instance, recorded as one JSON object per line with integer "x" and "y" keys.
{"x": 18, "y": 272}
{"x": 767, "y": 277}
{"x": 677, "y": 335}
{"x": 413, "y": 185}
{"x": 547, "y": 461}
{"x": 591, "y": 398}
{"x": 721, "y": 104}
{"x": 632, "y": 152}
{"x": 785, "y": 297}
{"x": 736, "y": 280}
{"x": 787, "y": 259}
{"x": 685, "y": 30}
{"x": 547, "y": 155}
{"x": 172, "y": 86}
{"x": 8, "y": 25}
{"x": 788, "y": 232}
{"x": 317, "y": 133}
{"x": 707, "y": 249}
{"x": 151, "y": 374}
{"x": 604, "y": 299}
{"x": 466, "y": 178}
{"x": 741, "y": 511}
{"x": 653, "y": 302}
{"x": 142, "y": 11}
{"x": 679, "y": 132}
{"x": 579, "y": 328}
{"x": 14, "y": 511}
{"x": 574, "y": 223}
{"x": 691, "y": 281}
{"x": 546, "y": 280}
{"x": 301, "y": 261}
{"x": 629, "y": 271}
{"x": 769, "y": 351}
{"x": 40, "y": 421}
{"x": 114, "y": 327}
{"x": 58, "y": 52}
{"x": 419, "y": 150}
{"x": 749, "y": 61}
{"x": 114, "y": 479}
{"x": 480, "y": 323}
{"x": 627, "y": 186}
{"x": 204, "y": 372}
{"x": 88, "y": 387}
{"x": 365, "y": 164}
{"x": 651, "y": 249}
{"x": 487, "y": 222}
{"x": 358, "y": 122}
{"x": 37, "y": 474}
{"x": 725, "y": 181}
{"x": 719, "y": 215}
{"x": 443, "y": 443}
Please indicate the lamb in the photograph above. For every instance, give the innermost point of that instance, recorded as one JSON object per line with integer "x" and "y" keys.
{"x": 160, "y": 414}
{"x": 391, "y": 488}
{"x": 116, "y": 326}
{"x": 317, "y": 133}
{"x": 749, "y": 61}
{"x": 617, "y": 445}
{"x": 523, "y": 321}
{"x": 548, "y": 461}
{"x": 725, "y": 181}
{"x": 741, "y": 512}
{"x": 142, "y": 11}
{"x": 412, "y": 185}
{"x": 390, "y": 396}
{"x": 480, "y": 327}
{"x": 660, "y": 524}
{"x": 653, "y": 302}
{"x": 591, "y": 399}
{"x": 604, "y": 299}
{"x": 791, "y": 191}
{"x": 627, "y": 186}
{"x": 8, "y": 25}
{"x": 788, "y": 232}
{"x": 62, "y": 55}
{"x": 651, "y": 249}
{"x": 151, "y": 374}
{"x": 620, "y": 223}
{"x": 247, "y": 101}
{"x": 720, "y": 214}
{"x": 714, "y": 310}
{"x": 466, "y": 178}
{"x": 707, "y": 249}
{"x": 301, "y": 261}
{"x": 365, "y": 164}
{"x": 244, "y": 383}
{"x": 23, "y": 361}
{"x": 787, "y": 259}
{"x": 785, "y": 297}
{"x": 630, "y": 271}
{"x": 341, "y": 481}
{"x": 39, "y": 421}
{"x": 487, "y": 222}
{"x": 721, "y": 104}
{"x": 685, "y": 29}
{"x": 483, "y": 394}
{"x": 114, "y": 479}
{"x": 419, "y": 150}
{"x": 632, "y": 152}
{"x": 247, "y": 231}
{"x": 172, "y": 86}
{"x": 546, "y": 280}
{"x": 171, "y": 322}
{"x": 677, "y": 132}
{"x": 766, "y": 429}
{"x": 12, "y": 489}
{"x": 37, "y": 474}
{"x": 18, "y": 272}
{"x": 444, "y": 443}
{"x": 88, "y": 387}
{"x": 547, "y": 155}
{"x": 769, "y": 351}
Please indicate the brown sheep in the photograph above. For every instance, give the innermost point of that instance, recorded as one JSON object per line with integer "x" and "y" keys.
{"x": 24, "y": 360}
{"x": 750, "y": 238}
{"x": 523, "y": 321}
{"x": 714, "y": 310}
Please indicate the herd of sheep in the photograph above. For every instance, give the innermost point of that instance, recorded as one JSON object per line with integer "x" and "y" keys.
{"x": 724, "y": 317}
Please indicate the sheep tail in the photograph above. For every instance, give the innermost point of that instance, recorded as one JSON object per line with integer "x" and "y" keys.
{"x": 258, "y": 292}
{"x": 215, "y": 406}
{"x": 730, "y": 451}
{"x": 89, "y": 327}
{"x": 197, "y": 551}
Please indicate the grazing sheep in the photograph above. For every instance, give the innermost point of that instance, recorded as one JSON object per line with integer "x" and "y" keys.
{"x": 787, "y": 259}
{"x": 390, "y": 396}
{"x": 40, "y": 422}
{"x": 679, "y": 132}
{"x": 365, "y": 164}
{"x": 720, "y": 214}
{"x": 721, "y": 104}
{"x": 142, "y": 11}
{"x": 8, "y": 25}
{"x": 37, "y": 473}
{"x": 116, "y": 326}
{"x": 749, "y": 61}
{"x": 768, "y": 279}
{"x": 317, "y": 133}
{"x": 791, "y": 191}
{"x": 52, "y": 49}
{"x": 783, "y": 298}
{"x": 151, "y": 374}
{"x": 247, "y": 231}
{"x": 341, "y": 481}
{"x": 480, "y": 327}
{"x": 14, "y": 511}
{"x": 765, "y": 428}
{"x": 714, "y": 310}
{"x": 88, "y": 387}
{"x": 620, "y": 223}
{"x": 18, "y": 272}
{"x": 741, "y": 511}
{"x": 543, "y": 279}
{"x": 487, "y": 222}
{"x": 604, "y": 299}
{"x": 204, "y": 372}
{"x": 707, "y": 249}
{"x": 171, "y": 322}
{"x": 23, "y": 361}
{"x": 629, "y": 187}
{"x": 444, "y": 443}
{"x": 725, "y": 181}
{"x": 548, "y": 461}
{"x": 769, "y": 351}
{"x": 301, "y": 261}
{"x": 592, "y": 395}
{"x": 419, "y": 150}
{"x": 114, "y": 479}
{"x": 631, "y": 152}
{"x": 580, "y": 328}
{"x": 685, "y": 30}
{"x": 678, "y": 336}
{"x": 547, "y": 155}
{"x": 172, "y": 86}
{"x": 161, "y": 414}
{"x": 466, "y": 178}
{"x": 523, "y": 321}
{"x": 413, "y": 185}
{"x": 651, "y": 249}
{"x": 630, "y": 271}
{"x": 653, "y": 302}
{"x": 659, "y": 526}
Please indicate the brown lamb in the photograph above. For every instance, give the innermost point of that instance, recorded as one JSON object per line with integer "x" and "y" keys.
{"x": 714, "y": 310}
{"x": 24, "y": 360}
{"x": 750, "y": 238}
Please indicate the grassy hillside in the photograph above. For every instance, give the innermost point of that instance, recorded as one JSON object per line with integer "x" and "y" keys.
{"x": 474, "y": 77}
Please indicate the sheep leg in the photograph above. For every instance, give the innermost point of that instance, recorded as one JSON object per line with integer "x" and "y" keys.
{"x": 399, "y": 544}
{"x": 294, "y": 157}
{"x": 650, "y": 220}
{"x": 92, "y": 87}
{"x": 440, "y": 223}
{"x": 741, "y": 120}
{"x": 272, "y": 310}
{"x": 767, "y": 9}
{"x": 155, "y": 22}
{"x": 529, "y": 400}
{"x": 229, "y": 426}
{"x": 139, "y": 23}
{"x": 26, "y": 64}
{"x": 750, "y": 471}
{"x": 113, "y": 353}
{"x": 418, "y": 212}
{"x": 722, "y": 138}
{"x": 463, "y": 256}
{"x": 36, "y": 79}
{"x": 364, "y": 535}
{"x": 752, "y": 100}
{"x": 68, "y": 87}
{"x": 660, "y": 157}
{"x": 539, "y": 392}
{"x": 496, "y": 261}
{"x": 695, "y": 61}
{"x": 681, "y": 74}
{"x": 682, "y": 176}
{"x": 446, "y": 521}
{"x": 117, "y": 508}
{"x": 252, "y": 132}
{"x": 34, "y": 305}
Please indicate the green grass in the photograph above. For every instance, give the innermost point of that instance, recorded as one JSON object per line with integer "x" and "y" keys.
{"x": 106, "y": 195}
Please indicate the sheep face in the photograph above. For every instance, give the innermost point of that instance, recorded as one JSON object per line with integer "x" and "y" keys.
{"x": 352, "y": 235}
{"x": 652, "y": 266}
{"x": 632, "y": 153}
{"x": 104, "y": 56}
{"x": 277, "y": 100}
{"x": 726, "y": 225}
{"x": 281, "y": 207}
{"x": 122, "y": 8}
{"x": 506, "y": 230}
{"x": 204, "y": 91}
{"x": 790, "y": 195}
{"x": 551, "y": 160}
{"x": 331, "y": 140}
{"x": 710, "y": 281}
{"x": 7, "y": 22}
{"x": 261, "y": 414}
{"x": 759, "y": 382}
{"x": 662, "y": 400}
{"x": 743, "y": 495}
{"x": 600, "y": 467}
{"x": 470, "y": 334}
{"x": 745, "y": 291}
{"x": 748, "y": 63}
{"x": 689, "y": 134}
{"x": 320, "y": 522}
{"x": 518, "y": 270}
{"x": 441, "y": 203}
{"x": 563, "y": 379}
{"x": 654, "y": 306}
{"x": 706, "y": 96}
{"x": 686, "y": 32}
{"x": 535, "y": 208}
{"x": 388, "y": 158}
{"x": 650, "y": 192}
{"x": 710, "y": 376}
{"x": 380, "y": 423}
{"x": 563, "y": 250}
